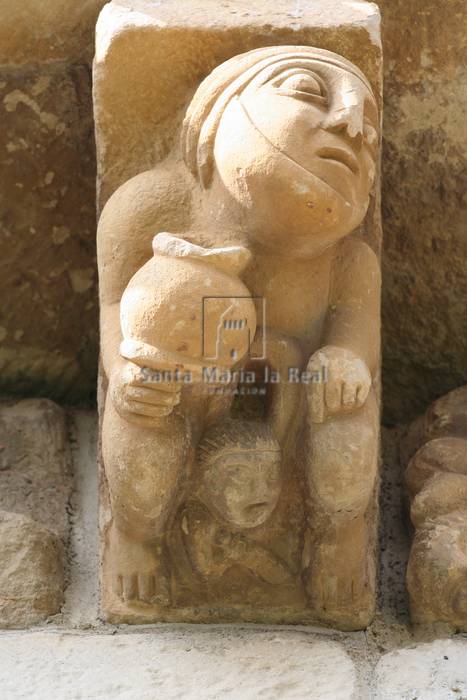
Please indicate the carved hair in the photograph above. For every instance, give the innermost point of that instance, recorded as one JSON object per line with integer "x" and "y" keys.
{"x": 232, "y": 436}
{"x": 229, "y": 80}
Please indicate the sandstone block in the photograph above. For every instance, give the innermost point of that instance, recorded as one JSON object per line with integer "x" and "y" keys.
{"x": 266, "y": 197}
{"x": 48, "y": 329}
{"x": 424, "y": 195}
{"x": 34, "y": 31}
{"x": 35, "y": 465}
{"x": 434, "y": 671}
{"x": 31, "y": 571}
{"x": 172, "y": 664}
{"x": 436, "y": 481}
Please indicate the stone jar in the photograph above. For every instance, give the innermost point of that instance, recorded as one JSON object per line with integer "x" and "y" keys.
{"x": 187, "y": 308}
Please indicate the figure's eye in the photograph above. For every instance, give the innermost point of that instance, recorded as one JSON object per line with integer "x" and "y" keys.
{"x": 302, "y": 85}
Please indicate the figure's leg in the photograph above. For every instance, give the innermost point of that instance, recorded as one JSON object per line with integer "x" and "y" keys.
{"x": 342, "y": 467}
{"x": 143, "y": 466}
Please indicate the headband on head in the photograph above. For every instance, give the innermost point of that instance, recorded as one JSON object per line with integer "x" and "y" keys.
{"x": 230, "y": 79}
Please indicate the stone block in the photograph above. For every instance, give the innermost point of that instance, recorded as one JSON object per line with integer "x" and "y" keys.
{"x": 176, "y": 664}
{"x": 31, "y": 571}
{"x": 33, "y": 31}
{"x": 433, "y": 671}
{"x": 436, "y": 482}
{"x": 424, "y": 194}
{"x": 181, "y": 541}
{"x": 48, "y": 329}
{"x": 35, "y": 465}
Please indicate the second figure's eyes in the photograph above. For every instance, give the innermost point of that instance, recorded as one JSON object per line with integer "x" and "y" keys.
{"x": 303, "y": 85}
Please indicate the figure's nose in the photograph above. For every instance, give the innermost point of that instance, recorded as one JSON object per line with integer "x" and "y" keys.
{"x": 347, "y": 121}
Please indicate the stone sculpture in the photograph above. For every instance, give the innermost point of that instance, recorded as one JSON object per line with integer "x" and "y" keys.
{"x": 436, "y": 480}
{"x": 240, "y": 430}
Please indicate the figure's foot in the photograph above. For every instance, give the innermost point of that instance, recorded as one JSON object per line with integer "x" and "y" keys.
{"x": 136, "y": 570}
{"x": 344, "y": 599}
{"x": 341, "y": 583}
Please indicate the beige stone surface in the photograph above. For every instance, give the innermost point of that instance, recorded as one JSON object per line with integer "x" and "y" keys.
{"x": 235, "y": 651}
{"x": 35, "y": 463}
{"x": 31, "y": 571}
{"x": 433, "y": 671}
{"x": 48, "y": 334}
{"x": 424, "y": 202}
{"x": 32, "y": 31}
{"x": 278, "y": 159}
{"x": 436, "y": 480}
{"x": 423, "y": 196}
{"x": 176, "y": 664}
{"x": 135, "y": 128}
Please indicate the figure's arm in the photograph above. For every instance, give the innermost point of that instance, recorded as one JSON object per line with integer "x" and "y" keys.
{"x": 126, "y": 228}
{"x": 351, "y": 346}
{"x": 354, "y": 314}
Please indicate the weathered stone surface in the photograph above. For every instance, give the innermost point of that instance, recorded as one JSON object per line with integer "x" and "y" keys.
{"x": 445, "y": 418}
{"x": 424, "y": 203}
{"x": 32, "y": 31}
{"x": 435, "y": 671}
{"x": 436, "y": 481}
{"x": 31, "y": 571}
{"x": 172, "y": 665}
{"x": 135, "y": 127}
{"x": 35, "y": 470}
{"x": 48, "y": 334}
{"x": 437, "y": 571}
{"x": 218, "y": 514}
{"x": 423, "y": 200}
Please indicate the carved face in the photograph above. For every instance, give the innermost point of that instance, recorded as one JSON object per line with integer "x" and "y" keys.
{"x": 243, "y": 486}
{"x": 297, "y": 149}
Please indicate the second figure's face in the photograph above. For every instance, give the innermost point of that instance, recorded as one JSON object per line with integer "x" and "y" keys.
{"x": 298, "y": 150}
{"x": 243, "y": 487}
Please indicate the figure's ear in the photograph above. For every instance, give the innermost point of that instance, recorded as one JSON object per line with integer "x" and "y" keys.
{"x": 230, "y": 259}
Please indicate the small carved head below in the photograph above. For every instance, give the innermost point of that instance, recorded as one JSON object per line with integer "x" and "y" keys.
{"x": 292, "y": 135}
{"x": 239, "y": 472}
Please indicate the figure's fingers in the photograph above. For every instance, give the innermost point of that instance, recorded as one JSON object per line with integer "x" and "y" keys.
{"x": 362, "y": 393}
{"x": 130, "y": 587}
{"x": 146, "y": 587}
{"x": 316, "y": 402}
{"x": 117, "y": 586}
{"x": 333, "y": 393}
{"x": 349, "y": 394}
{"x": 152, "y": 396}
{"x": 149, "y": 410}
{"x": 144, "y": 381}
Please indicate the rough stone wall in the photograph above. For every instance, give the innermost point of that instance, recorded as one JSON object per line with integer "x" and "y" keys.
{"x": 48, "y": 317}
{"x": 424, "y": 202}
{"x": 48, "y": 329}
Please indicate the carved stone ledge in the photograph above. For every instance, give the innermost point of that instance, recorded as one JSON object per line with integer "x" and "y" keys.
{"x": 239, "y": 276}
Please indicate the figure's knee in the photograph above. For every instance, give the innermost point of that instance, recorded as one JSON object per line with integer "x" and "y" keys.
{"x": 143, "y": 467}
{"x": 343, "y": 464}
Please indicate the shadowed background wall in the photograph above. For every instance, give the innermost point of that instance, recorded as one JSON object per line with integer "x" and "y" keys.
{"x": 48, "y": 282}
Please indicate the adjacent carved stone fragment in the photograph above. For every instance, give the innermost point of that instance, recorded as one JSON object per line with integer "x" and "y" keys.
{"x": 31, "y": 571}
{"x": 35, "y": 487}
{"x": 240, "y": 293}
{"x": 35, "y": 463}
{"x": 436, "y": 480}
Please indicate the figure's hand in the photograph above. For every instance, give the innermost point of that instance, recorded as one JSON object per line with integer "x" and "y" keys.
{"x": 347, "y": 386}
{"x": 135, "y": 394}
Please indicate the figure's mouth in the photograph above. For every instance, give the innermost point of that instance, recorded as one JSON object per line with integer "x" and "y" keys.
{"x": 340, "y": 155}
{"x": 257, "y": 507}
